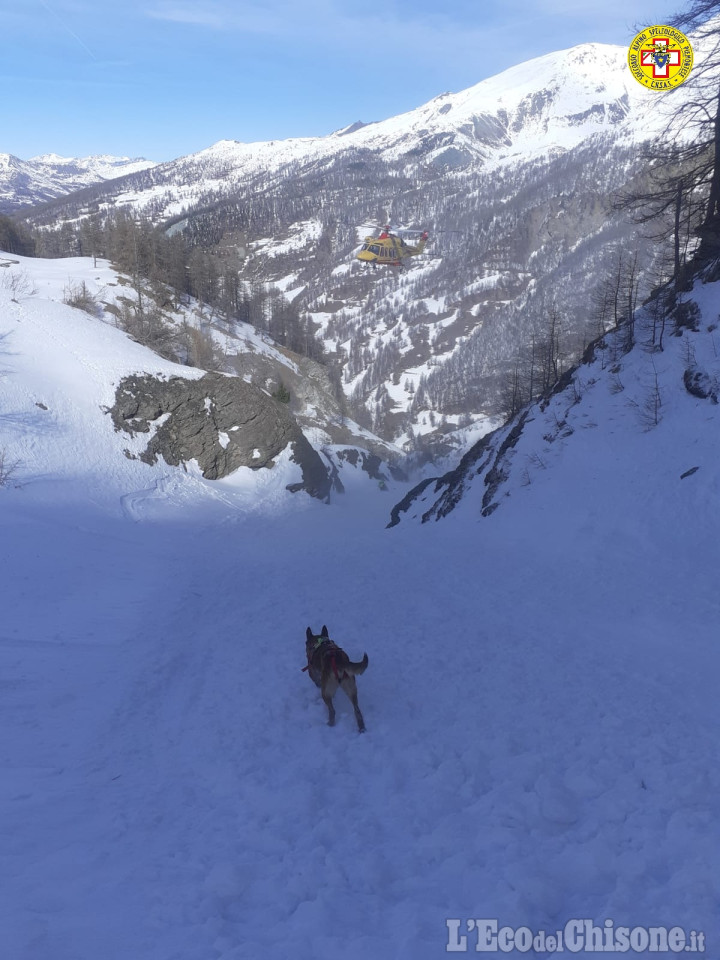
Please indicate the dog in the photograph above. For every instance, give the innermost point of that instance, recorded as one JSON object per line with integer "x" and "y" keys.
{"x": 329, "y": 668}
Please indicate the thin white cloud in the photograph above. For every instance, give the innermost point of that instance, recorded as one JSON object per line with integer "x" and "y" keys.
{"x": 460, "y": 30}
{"x": 325, "y": 25}
{"x": 391, "y": 42}
{"x": 241, "y": 17}
{"x": 174, "y": 13}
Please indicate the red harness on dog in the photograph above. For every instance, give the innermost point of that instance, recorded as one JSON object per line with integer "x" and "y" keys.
{"x": 320, "y": 642}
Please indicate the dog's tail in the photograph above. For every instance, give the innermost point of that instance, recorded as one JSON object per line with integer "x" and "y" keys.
{"x": 357, "y": 668}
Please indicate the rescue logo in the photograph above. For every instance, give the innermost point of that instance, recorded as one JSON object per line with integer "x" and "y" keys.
{"x": 660, "y": 58}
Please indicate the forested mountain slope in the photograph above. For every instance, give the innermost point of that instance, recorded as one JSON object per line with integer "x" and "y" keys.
{"x": 516, "y": 179}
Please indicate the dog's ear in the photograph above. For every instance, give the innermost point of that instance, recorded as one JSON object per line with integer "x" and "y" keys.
{"x": 310, "y": 635}
{"x": 324, "y": 632}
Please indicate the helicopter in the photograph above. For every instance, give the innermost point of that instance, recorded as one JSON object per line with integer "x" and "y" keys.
{"x": 390, "y": 250}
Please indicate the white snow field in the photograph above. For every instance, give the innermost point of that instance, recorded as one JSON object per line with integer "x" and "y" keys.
{"x": 541, "y": 700}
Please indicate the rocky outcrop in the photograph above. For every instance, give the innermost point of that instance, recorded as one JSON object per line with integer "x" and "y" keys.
{"x": 371, "y": 464}
{"x": 700, "y": 384}
{"x": 489, "y": 458}
{"x": 485, "y": 458}
{"x": 221, "y": 422}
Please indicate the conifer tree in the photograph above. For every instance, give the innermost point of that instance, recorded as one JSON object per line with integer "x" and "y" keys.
{"x": 701, "y": 114}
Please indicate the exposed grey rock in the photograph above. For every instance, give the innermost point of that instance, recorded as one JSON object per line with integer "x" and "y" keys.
{"x": 487, "y": 457}
{"x": 412, "y": 497}
{"x": 313, "y": 402}
{"x": 700, "y": 384}
{"x": 368, "y": 462}
{"x": 450, "y": 488}
{"x": 490, "y": 458}
{"x": 220, "y": 421}
{"x": 686, "y": 315}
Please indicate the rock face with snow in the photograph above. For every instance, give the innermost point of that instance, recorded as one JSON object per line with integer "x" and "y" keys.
{"x": 699, "y": 383}
{"x": 624, "y": 388}
{"x": 221, "y": 422}
{"x": 147, "y": 435}
{"x": 27, "y": 182}
{"x": 436, "y": 497}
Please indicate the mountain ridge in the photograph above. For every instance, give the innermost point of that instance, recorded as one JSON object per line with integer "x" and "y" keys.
{"x": 498, "y": 118}
{"x": 513, "y": 177}
{"x": 48, "y": 176}
{"x": 494, "y": 113}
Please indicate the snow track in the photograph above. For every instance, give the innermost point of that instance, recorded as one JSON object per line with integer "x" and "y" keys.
{"x": 529, "y": 756}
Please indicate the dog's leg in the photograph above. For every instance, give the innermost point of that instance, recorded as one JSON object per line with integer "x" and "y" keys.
{"x": 350, "y": 687}
{"x": 331, "y": 710}
{"x": 328, "y": 689}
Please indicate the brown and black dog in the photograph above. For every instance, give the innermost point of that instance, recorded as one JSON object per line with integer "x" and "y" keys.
{"x": 329, "y": 668}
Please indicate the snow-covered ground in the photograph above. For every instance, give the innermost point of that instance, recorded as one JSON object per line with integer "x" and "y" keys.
{"x": 541, "y": 700}
{"x": 59, "y": 368}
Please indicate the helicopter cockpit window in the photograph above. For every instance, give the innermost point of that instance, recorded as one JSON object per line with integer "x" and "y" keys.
{"x": 374, "y": 248}
{"x": 366, "y": 246}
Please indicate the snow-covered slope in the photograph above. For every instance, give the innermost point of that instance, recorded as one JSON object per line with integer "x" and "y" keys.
{"x": 541, "y": 702}
{"x": 25, "y": 182}
{"x": 59, "y": 403}
{"x": 618, "y": 420}
{"x": 60, "y": 371}
{"x": 550, "y": 103}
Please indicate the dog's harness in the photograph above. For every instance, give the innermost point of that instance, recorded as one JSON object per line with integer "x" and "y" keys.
{"x": 321, "y": 642}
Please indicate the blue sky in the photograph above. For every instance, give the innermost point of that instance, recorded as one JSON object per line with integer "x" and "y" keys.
{"x": 162, "y": 78}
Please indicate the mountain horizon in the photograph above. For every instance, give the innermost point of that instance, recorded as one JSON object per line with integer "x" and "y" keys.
{"x": 518, "y": 169}
{"x": 504, "y": 90}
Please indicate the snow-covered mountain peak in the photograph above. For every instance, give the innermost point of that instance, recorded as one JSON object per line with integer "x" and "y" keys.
{"x": 41, "y": 178}
{"x": 8, "y": 161}
{"x": 51, "y": 158}
{"x": 551, "y": 102}
{"x": 105, "y": 166}
{"x": 351, "y": 128}
{"x": 600, "y": 68}
{"x": 556, "y": 100}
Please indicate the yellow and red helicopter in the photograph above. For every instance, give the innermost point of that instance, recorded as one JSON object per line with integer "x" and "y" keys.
{"x": 388, "y": 249}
